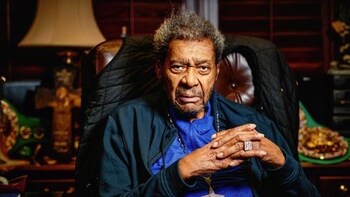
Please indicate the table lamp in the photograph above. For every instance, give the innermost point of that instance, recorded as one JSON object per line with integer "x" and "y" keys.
{"x": 63, "y": 23}
{"x": 66, "y": 26}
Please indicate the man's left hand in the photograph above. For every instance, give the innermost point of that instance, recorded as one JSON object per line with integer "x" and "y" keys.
{"x": 265, "y": 149}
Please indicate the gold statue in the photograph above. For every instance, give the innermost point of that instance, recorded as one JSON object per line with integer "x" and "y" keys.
{"x": 62, "y": 101}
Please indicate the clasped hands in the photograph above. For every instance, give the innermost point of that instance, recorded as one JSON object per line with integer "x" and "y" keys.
{"x": 227, "y": 150}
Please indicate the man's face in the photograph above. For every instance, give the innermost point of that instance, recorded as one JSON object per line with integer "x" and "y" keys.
{"x": 189, "y": 73}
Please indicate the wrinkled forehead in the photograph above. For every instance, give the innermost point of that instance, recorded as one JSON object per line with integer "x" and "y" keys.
{"x": 182, "y": 45}
{"x": 200, "y": 39}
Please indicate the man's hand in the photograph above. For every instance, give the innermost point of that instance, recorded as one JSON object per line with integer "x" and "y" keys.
{"x": 227, "y": 149}
{"x": 264, "y": 149}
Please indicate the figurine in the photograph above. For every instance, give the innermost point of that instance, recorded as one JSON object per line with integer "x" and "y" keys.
{"x": 342, "y": 28}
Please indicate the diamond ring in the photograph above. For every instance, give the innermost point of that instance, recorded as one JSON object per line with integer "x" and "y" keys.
{"x": 248, "y": 145}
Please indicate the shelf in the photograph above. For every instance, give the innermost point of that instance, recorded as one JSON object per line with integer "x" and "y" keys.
{"x": 45, "y": 179}
{"x": 295, "y": 26}
{"x": 243, "y": 18}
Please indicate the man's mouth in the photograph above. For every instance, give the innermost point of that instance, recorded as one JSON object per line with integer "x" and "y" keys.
{"x": 188, "y": 99}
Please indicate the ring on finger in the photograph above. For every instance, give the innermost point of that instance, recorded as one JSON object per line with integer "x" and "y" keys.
{"x": 248, "y": 145}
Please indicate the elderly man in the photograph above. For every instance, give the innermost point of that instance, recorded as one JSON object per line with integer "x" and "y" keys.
{"x": 186, "y": 140}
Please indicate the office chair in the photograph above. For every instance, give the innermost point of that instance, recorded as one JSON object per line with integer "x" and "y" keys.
{"x": 253, "y": 72}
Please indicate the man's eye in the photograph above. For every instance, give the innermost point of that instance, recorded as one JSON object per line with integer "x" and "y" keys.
{"x": 178, "y": 68}
{"x": 203, "y": 69}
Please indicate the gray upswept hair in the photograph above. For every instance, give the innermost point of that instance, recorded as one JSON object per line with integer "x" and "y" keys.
{"x": 185, "y": 24}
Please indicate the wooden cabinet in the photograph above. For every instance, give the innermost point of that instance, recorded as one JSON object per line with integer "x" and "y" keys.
{"x": 340, "y": 100}
{"x": 298, "y": 27}
{"x": 139, "y": 16}
{"x": 335, "y": 186}
{"x": 45, "y": 180}
{"x": 331, "y": 180}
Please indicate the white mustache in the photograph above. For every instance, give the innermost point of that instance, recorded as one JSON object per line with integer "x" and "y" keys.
{"x": 188, "y": 93}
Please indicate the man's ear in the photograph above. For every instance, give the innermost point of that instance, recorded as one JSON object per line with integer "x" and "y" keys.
{"x": 158, "y": 70}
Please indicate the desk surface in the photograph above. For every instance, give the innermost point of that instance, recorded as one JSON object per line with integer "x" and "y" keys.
{"x": 60, "y": 177}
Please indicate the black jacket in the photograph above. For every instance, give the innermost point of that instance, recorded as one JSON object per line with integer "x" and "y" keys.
{"x": 139, "y": 132}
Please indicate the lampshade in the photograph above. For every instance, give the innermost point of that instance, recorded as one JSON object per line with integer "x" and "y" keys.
{"x": 63, "y": 23}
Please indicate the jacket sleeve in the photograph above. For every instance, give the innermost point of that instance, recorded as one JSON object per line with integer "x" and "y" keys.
{"x": 120, "y": 177}
{"x": 289, "y": 179}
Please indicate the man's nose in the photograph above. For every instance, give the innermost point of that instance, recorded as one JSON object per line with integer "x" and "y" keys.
{"x": 191, "y": 77}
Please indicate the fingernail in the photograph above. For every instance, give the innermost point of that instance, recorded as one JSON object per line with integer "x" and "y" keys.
{"x": 213, "y": 136}
{"x": 263, "y": 153}
{"x": 252, "y": 125}
{"x": 220, "y": 155}
{"x": 261, "y": 135}
{"x": 215, "y": 144}
{"x": 233, "y": 163}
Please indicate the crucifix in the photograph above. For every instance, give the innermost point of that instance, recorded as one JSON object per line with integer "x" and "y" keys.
{"x": 62, "y": 99}
{"x": 211, "y": 192}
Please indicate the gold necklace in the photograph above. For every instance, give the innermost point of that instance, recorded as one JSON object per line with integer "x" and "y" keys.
{"x": 207, "y": 179}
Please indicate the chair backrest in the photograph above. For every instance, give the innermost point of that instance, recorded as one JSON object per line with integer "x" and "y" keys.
{"x": 253, "y": 72}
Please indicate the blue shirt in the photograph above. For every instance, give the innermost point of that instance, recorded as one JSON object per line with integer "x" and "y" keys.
{"x": 229, "y": 182}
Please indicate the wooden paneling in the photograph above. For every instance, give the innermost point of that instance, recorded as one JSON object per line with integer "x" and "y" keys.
{"x": 297, "y": 27}
{"x": 300, "y": 28}
{"x": 140, "y": 17}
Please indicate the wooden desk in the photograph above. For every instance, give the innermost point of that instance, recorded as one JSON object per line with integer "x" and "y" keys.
{"x": 331, "y": 180}
{"x": 46, "y": 178}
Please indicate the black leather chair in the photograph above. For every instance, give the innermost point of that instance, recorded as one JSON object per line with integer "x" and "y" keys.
{"x": 253, "y": 72}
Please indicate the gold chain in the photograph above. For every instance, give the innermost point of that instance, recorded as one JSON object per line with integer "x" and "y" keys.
{"x": 207, "y": 179}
